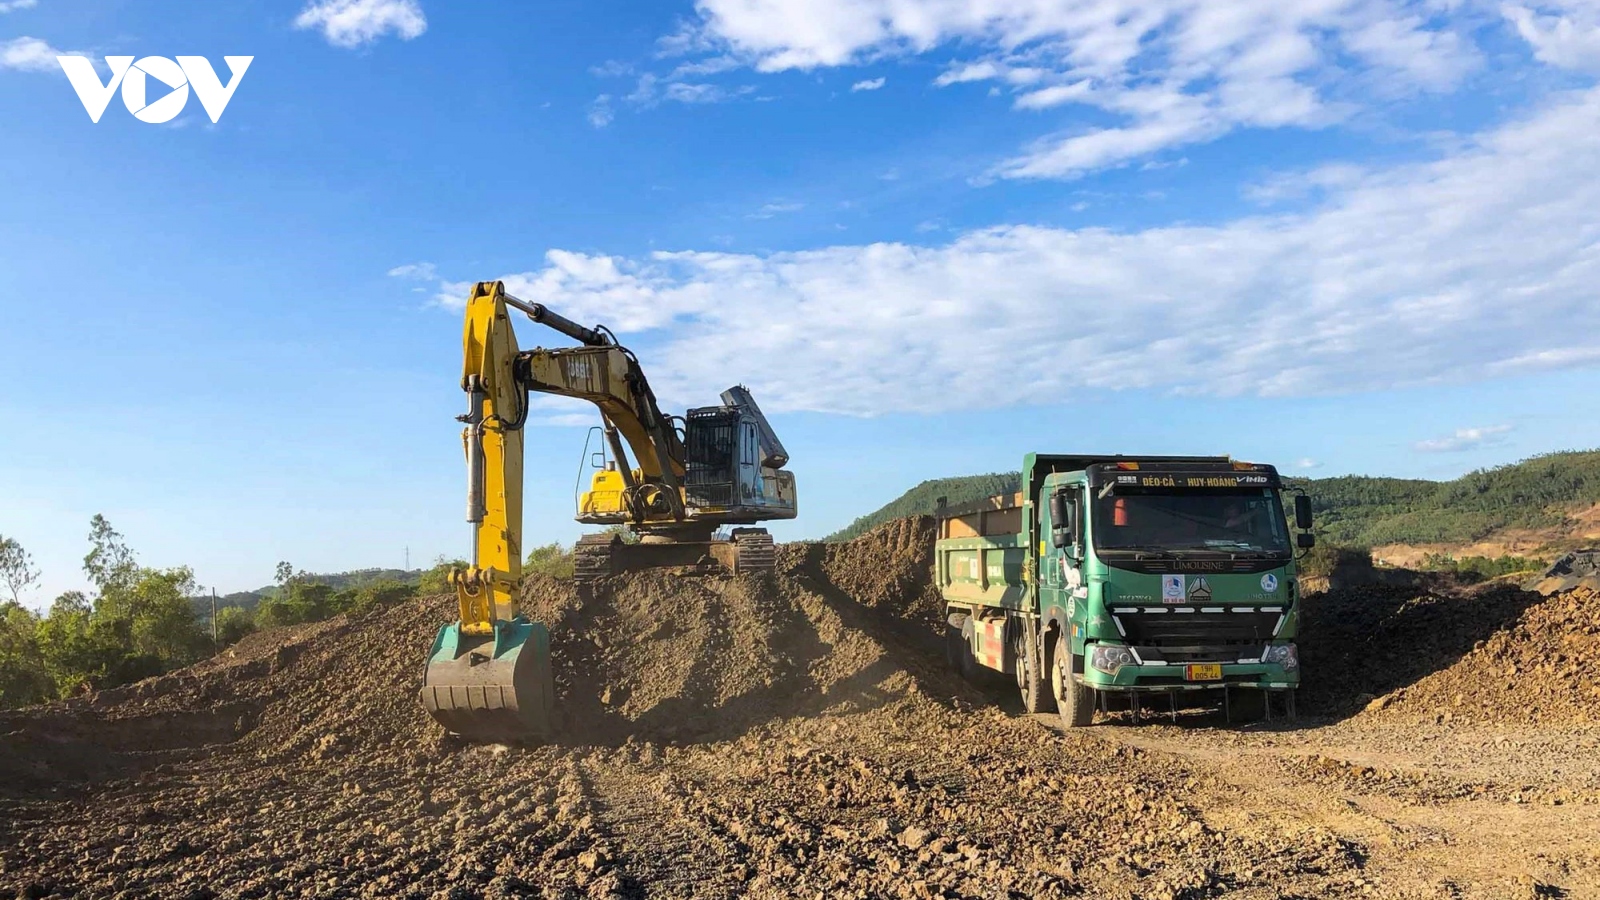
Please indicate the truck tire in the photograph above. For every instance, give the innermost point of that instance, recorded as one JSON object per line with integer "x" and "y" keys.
{"x": 954, "y": 646}
{"x": 973, "y": 671}
{"x": 1032, "y": 681}
{"x": 1074, "y": 701}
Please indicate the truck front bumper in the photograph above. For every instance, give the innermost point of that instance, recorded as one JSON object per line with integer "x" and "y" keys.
{"x": 1164, "y": 678}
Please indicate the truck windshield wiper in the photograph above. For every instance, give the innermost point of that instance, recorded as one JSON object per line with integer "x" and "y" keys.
{"x": 1144, "y": 549}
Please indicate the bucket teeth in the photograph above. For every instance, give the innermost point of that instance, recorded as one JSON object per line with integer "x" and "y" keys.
{"x": 495, "y": 688}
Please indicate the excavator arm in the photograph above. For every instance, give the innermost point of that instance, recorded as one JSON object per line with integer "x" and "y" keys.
{"x": 488, "y": 677}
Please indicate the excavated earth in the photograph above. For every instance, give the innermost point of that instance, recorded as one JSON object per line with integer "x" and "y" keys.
{"x": 797, "y": 735}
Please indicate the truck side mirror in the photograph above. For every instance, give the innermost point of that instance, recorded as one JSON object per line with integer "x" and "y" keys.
{"x": 1060, "y": 520}
{"x": 1306, "y": 540}
{"x": 1302, "y": 512}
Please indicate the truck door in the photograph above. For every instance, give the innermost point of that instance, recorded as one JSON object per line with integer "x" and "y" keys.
{"x": 1062, "y": 573}
{"x": 1074, "y": 587}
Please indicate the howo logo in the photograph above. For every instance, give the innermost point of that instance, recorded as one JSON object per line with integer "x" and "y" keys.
{"x": 134, "y": 79}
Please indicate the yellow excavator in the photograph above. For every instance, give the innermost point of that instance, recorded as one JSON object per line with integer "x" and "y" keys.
{"x": 690, "y": 480}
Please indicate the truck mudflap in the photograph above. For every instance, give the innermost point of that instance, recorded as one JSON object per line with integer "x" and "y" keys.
{"x": 495, "y": 688}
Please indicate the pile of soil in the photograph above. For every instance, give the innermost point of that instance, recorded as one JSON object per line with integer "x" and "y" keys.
{"x": 888, "y": 569}
{"x": 1360, "y": 644}
{"x": 1543, "y": 667}
{"x": 1579, "y": 568}
{"x": 661, "y": 657}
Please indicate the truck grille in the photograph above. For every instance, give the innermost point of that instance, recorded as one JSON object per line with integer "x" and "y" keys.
{"x": 1179, "y": 634}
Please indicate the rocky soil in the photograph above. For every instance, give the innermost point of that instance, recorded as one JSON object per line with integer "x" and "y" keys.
{"x": 796, "y": 735}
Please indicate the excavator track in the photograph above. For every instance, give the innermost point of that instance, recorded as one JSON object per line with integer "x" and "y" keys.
{"x": 591, "y": 557}
{"x": 756, "y": 552}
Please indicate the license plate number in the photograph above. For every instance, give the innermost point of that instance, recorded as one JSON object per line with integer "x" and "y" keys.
{"x": 1204, "y": 672}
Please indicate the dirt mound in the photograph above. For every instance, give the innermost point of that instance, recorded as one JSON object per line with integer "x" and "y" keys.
{"x": 1363, "y": 643}
{"x": 888, "y": 569}
{"x": 657, "y": 656}
{"x": 1579, "y": 568}
{"x": 1543, "y": 667}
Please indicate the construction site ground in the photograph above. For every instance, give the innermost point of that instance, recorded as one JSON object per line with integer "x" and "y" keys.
{"x": 798, "y": 735}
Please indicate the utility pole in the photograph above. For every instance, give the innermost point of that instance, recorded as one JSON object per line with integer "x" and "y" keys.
{"x": 408, "y": 557}
{"x": 213, "y": 619}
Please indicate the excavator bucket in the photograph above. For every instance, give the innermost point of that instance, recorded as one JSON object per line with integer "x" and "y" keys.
{"x": 494, "y": 688}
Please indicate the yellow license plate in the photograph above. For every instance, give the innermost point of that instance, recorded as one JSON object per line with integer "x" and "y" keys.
{"x": 1203, "y": 672}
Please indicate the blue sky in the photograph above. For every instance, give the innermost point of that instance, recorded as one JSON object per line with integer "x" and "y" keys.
{"x": 1341, "y": 236}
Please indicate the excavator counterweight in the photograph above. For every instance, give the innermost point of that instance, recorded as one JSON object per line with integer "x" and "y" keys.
{"x": 488, "y": 677}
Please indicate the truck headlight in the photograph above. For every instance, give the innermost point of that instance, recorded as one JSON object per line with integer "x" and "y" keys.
{"x": 1283, "y": 654}
{"x": 1108, "y": 659}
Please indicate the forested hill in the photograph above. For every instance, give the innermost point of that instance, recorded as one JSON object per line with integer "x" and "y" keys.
{"x": 1358, "y": 510}
{"x": 922, "y": 499}
{"x": 339, "y": 581}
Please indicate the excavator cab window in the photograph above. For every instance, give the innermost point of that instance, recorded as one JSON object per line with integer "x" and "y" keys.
{"x": 710, "y": 462}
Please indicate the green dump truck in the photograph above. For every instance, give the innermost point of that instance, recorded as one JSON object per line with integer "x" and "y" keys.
{"x": 1126, "y": 576}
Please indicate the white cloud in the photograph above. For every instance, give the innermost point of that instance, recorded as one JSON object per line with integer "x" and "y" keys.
{"x": 651, "y": 90}
{"x": 422, "y": 271}
{"x": 769, "y": 210}
{"x": 1298, "y": 185}
{"x": 29, "y": 54}
{"x": 354, "y": 23}
{"x": 1447, "y": 271}
{"x": 1173, "y": 71}
{"x": 1306, "y": 462}
{"x": 1564, "y": 33}
{"x": 1465, "y": 439}
{"x": 870, "y": 84}
{"x": 600, "y": 111}
{"x": 14, "y": 5}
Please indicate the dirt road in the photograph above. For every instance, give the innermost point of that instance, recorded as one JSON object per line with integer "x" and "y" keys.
{"x": 794, "y": 736}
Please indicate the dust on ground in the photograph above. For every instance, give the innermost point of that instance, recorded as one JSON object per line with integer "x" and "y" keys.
{"x": 797, "y": 735}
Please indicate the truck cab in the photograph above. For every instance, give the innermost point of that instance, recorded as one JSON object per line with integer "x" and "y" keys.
{"x": 1126, "y": 576}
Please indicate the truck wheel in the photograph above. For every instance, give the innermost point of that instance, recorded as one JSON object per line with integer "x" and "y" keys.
{"x": 973, "y": 671}
{"x": 1074, "y": 701}
{"x": 1031, "y": 678}
{"x": 955, "y": 646}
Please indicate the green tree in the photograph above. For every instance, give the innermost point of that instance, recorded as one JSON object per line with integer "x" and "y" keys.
{"x": 83, "y": 649}
{"x": 386, "y": 592}
{"x": 436, "y": 579}
{"x": 23, "y": 676}
{"x": 17, "y": 572}
{"x": 274, "y": 612}
{"x": 553, "y": 560}
{"x": 233, "y": 623}
{"x": 162, "y": 620}
{"x": 109, "y": 563}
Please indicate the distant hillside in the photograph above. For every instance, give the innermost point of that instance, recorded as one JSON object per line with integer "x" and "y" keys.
{"x": 922, "y": 499}
{"x": 354, "y": 579}
{"x": 1544, "y": 495}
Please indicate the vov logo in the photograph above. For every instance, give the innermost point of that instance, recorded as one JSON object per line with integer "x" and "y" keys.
{"x": 134, "y": 79}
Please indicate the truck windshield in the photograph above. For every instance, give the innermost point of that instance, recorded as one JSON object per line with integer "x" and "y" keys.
{"x": 1222, "y": 521}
